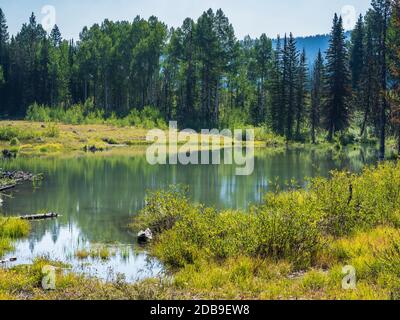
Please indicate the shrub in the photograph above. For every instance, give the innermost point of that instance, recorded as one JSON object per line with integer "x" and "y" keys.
{"x": 266, "y": 135}
{"x": 292, "y": 225}
{"x": 14, "y": 142}
{"x": 162, "y": 210}
{"x": 52, "y": 131}
{"x": 7, "y": 133}
{"x": 49, "y": 148}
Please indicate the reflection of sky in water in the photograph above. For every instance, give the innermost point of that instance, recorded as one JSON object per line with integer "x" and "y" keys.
{"x": 68, "y": 239}
{"x": 98, "y": 196}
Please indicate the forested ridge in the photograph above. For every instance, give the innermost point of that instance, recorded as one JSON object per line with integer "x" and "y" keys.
{"x": 203, "y": 76}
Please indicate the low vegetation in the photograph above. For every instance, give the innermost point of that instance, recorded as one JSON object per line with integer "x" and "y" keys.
{"x": 10, "y": 230}
{"x": 313, "y": 233}
{"x": 292, "y": 246}
{"x": 148, "y": 118}
{"x": 101, "y": 252}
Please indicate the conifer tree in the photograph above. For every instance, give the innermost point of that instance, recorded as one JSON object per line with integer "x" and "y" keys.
{"x": 277, "y": 100}
{"x": 4, "y": 61}
{"x": 302, "y": 87}
{"x": 317, "y": 95}
{"x": 55, "y": 36}
{"x": 290, "y": 61}
{"x": 338, "y": 91}
{"x": 357, "y": 53}
{"x": 394, "y": 67}
{"x": 368, "y": 90}
{"x": 381, "y": 9}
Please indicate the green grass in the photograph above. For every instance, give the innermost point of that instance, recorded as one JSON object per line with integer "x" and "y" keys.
{"x": 10, "y": 230}
{"x": 10, "y": 133}
{"x": 101, "y": 252}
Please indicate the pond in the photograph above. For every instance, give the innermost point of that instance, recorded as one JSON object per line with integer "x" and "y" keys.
{"x": 98, "y": 196}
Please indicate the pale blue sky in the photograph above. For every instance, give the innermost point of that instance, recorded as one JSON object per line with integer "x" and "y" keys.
{"x": 253, "y": 17}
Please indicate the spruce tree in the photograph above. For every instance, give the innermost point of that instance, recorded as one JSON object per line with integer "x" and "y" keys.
{"x": 302, "y": 85}
{"x": 368, "y": 90}
{"x": 338, "y": 83}
{"x": 4, "y": 61}
{"x": 317, "y": 95}
{"x": 277, "y": 114}
{"x": 55, "y": 36}
{"x": 381, "y": 9}
{"x": 394, "y": 67}
{"x": 290, "y": 61}
{"x": 357, "y": 53}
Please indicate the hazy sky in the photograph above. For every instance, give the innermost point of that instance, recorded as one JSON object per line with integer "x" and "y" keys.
{"x": 253, "y": 17}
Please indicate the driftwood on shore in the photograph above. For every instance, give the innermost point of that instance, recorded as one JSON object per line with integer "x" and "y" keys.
{"x": 8, "y": 260}
{"x": 43, "y": 216}
{"x": 7, "y": 187}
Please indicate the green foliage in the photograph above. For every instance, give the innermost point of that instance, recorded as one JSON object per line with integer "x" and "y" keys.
{"x": 10, "y": 230}
{"x": 7, "y": 133}
{"x": 2, "y": 81}
{"x": 52, "y": 131}
{"x": 163, "y": 209}
{"x": 288, "y": 226}
{"x": 148, "y": 118}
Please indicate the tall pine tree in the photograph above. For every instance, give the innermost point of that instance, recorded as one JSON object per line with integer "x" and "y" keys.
{"x": 381, "y": 9}
{"x": 4, "y": 61}
{"x": 394, "y": 66}
{"x": 338, "y": 89}
{"x": 302, "y": 88}
{"x": 317, "y": 95}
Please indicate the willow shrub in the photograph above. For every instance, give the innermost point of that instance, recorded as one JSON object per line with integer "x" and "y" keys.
{"x": 292, "y": 225}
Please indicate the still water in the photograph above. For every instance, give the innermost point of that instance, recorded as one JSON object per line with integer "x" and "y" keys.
{"x": 99, "y": 195}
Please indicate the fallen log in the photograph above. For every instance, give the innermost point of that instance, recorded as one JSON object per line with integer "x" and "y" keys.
{"x": 7, "y": 187}
{"x": 8, "y": 260}
{"x": 50, "y": 215}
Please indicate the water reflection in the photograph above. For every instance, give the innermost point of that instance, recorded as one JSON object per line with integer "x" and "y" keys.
{"x": 97, "y": 197}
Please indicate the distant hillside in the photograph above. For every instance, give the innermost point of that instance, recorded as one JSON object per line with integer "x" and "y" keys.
{"x": 313, "y": 44}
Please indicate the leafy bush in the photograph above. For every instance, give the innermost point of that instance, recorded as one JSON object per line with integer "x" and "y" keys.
{"x": 266, "y": 135}
{"x": 235, "y": 119}
{"x": 162, "y": 210}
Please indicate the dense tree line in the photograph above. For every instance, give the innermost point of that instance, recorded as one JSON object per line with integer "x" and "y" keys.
{"x": 203, "y": 76}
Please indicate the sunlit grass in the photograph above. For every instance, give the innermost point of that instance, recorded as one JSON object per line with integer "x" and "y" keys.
{"x": 10, "y": 230}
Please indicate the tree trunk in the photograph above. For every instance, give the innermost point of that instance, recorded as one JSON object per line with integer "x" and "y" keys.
{"x": 364, "y": 124}
{"x": 313, "y": 131}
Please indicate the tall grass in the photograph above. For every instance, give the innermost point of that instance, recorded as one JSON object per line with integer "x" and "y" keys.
{"x": 10, "y": 230}
{"x": 8, "y": 133}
